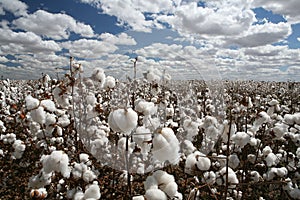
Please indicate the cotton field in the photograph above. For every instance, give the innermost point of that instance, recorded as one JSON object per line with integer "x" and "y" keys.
{"x": 148, "y": 138}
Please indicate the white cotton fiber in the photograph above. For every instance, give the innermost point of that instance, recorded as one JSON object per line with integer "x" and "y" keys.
{"x": 271, "y": 159}
{"x": 203, "y": 162}
{"x": 241, "y": 139}
{"x": 50, "y": 119}
{"x": 166, "y": 146}
{"x": 99, "y": 76}
{"x": 147, "y": 108}
{"x": 19, "y": 148}
{"x": 171, "y": 189}
{"x": 150, "y": 183}
{"x": 48, "y": 105}
{"x": 88, "y": 176}
{"x": 38, "y": 115}
{"x": 155, "y": 194}
{"x": 124, "y": 120}
{"x": 63, "y": 120}
{"x": 92, "y": 192}
{"x": 31, "y": 103}
{"x": 110, "y": 82}
{"x": 57, "y": 161}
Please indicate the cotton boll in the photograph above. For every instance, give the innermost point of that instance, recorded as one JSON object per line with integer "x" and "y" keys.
{"x": 48, "y": 105}
{"x": 188, "y": 147}
{"x": 171, "y": 189}
{"x": 83, "y": 157}
{"x": 234, "y": 161}
{"x": 209, "y": 178}
{"x": 92, "y": 192}
{"x": 63, "y": 120}
{"x": 78, "y": 195}
{"x": 241, "y": 139}
{"x": 50, "y": 119}
{"x": 155, "y": 194}
{"x": 91, "y": 99}
{"x": 266, "y": 150}
{"x": 203, "y": 163}
{"x": 150, "y": 183}
{"x": 31, "y": 103}
{"x": 190, "y": 164}
{"x": 251, "y": 158}
{"x": 57, "y": 161}
{"x": 255, "y": 176}
{"x": 147, "y": 108}
{"x": 99, "y": 77}
{"x": 289, "y": 119}
{"x": 263, "y": 117}
{"x": 124, "y": 120}
{"x": 271, "y": 159}
{"x": 163, "y": 178}
{"x": 38, "y": 115}
{"x": 88, "y": 176}
{"x": 19, "y": 148}
{"x": 110, "y": 82}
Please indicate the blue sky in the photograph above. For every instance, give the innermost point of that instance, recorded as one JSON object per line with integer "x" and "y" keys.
{"x": 189, "y": 39}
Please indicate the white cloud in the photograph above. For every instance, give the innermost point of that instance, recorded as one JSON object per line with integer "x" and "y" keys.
{"x": 298, "y": 38}
{"x": 24, "y": 42}
{"x": 16, "y": 7}
{"x": 55, "y": 26}
{"x": 3, "y": 59}
{"x": 289, "y": 8}
{"x": 262, "y": 34}
{"x": 88, "y": 48}
{"x": 121, "y": 39}
{"x": 210, "y": 21}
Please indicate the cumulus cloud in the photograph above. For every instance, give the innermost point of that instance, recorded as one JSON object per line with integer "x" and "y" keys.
{"x": 89, "y": 48}
{"x": 56, "y": 26}
{"x": 262, "y": 34}
{"x": 15, "y": 7}
{"x": 207, "y": 21}
{"x": 24, "y": 42}
{"x": 121, "y": 39}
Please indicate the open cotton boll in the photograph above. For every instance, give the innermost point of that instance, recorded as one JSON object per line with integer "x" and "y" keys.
{"x": 38, "y": 115}
{"x": 91, "y": 99}
{"x": 266, "y": 150}
{"x": 98, "y": 76}
{"x": 271, "y": 159}
{"x": 150, "y": 183}
{"x": 263, "y": 117}
{"x": 162, "y": 177}
{"x": 147, "y": 108}
{"x": 138, "y": 197}
{"x": 110, "y": 82}
{"x": 88, "y": 176}
{"x": 78, "y": 195}
{"x": 274, "y": 172}
{"x": 124, "y": 120}
{"x": 49, "y": 105}
{"x": 50, "y": 119}
{"x": 289, "y": 119}
{"x": 203, "y": 163}
{"x": 171, "y": 189}
{"x": 234, "y": 161}
{"x": 63, "y": 120}
{"x": 232, "y": 178}
{"x": 31, "y": 103}
{"x": 57, "y": 161}
{"x": 83, "y": 157}
{"x": 19, "y": 147}
{"x": 241, "y": 139}
{"x": 155, "y": 194}
{"x": 166, "y": 146}
{"x": 280, "y": 129}
{"x": 209, "y": 178}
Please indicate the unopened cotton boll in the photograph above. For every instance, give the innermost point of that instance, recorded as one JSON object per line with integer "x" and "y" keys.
{"x": 31, "y": 103}
{"x": 123, "y": 120}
